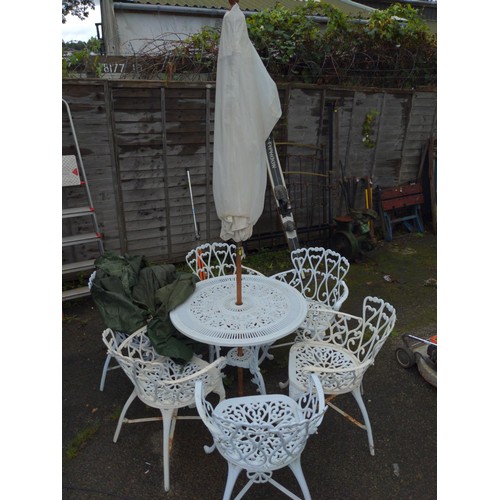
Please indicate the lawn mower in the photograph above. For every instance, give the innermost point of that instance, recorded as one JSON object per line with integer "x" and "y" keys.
{"x": 422, "y": 352}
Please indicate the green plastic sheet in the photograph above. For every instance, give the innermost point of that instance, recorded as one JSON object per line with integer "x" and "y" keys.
{"x": 129, "y": 294}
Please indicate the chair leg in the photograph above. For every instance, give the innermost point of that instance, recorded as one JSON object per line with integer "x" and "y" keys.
{"x": 104, "y": 372}
{"x": 293, "y": 391}
{"x": 220, "y": 391}
{"x": 122, "y": 415}
{"x": 167, "y": 422}
{"x": 213, "y": 353}
{"x": 284, "y": 385}
{"x": 296, "y": 468}
{"x": 359, "y": 399}
{"x": 232, "y": 475}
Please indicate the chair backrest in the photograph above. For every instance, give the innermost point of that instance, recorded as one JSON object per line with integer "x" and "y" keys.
{"x": 320, "y": 261}
{"x": 364, "y": 336}
{"x": 379, "y": 317}
{"x": 214, "y": 259}
{"x": 158, "y": 380}
{"x": 263, "y": 432}
{"x": 318, "y": 274}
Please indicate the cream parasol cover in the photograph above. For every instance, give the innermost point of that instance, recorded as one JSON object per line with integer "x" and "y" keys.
{"x": 247, "y": 107}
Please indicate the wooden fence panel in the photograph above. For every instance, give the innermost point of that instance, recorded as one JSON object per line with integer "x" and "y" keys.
{"x": 390, "y": 140}
{"x": 421, "y": 126}
{"x": 138, "y": 140}
{"x": 87, "y": 104}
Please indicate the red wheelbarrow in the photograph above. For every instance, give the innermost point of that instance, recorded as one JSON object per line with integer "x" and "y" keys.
{"x": 422, "y": 352}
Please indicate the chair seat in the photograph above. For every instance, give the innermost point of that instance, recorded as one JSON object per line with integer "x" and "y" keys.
{"x": 156, "y": 388}
{"x": 317, "y": 355}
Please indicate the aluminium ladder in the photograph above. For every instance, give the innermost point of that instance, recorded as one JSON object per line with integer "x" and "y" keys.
{"x": 73, "y": 175}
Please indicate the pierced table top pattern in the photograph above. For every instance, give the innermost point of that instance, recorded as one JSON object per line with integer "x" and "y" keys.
{"x": 271, "y": 309}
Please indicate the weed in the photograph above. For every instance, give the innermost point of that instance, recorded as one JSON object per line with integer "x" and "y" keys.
{"x": 72, "y": 318}
{"x": 228, "y": 380}
{"x": 81, "y": 440}
{"x": 116, "y": 414}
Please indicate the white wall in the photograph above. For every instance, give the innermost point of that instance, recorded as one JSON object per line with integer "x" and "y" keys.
{"x": 139, "y": 32}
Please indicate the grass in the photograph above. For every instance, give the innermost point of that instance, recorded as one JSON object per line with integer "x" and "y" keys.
{"x": 268, "y": 261}
{"x": 402, "y": 272}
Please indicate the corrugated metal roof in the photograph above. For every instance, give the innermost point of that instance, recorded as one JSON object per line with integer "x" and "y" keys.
{"x": 346, "y": 6}
{"x": 221, "y": 4}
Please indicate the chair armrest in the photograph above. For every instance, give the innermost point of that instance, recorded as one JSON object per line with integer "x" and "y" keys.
{"x": 325, "y": 322}
{"x": 249, "y": 270}
{"x": 219, "y": 362}
{"x": 205, "y": 409}
{"x": 343, "y": 294}
{"x": 338, "y": 314}
{"x": 312, "y": 403}
{"x": 361, "y": 367}
{"x": 285, "y": 276}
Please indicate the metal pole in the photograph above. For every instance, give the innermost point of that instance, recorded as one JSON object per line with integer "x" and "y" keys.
{"x": 196, "y": 230}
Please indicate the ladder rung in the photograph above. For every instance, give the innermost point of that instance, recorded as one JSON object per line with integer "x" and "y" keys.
{"x": 75, "y": 293}
{"x": 79, "y": 238}
{"x": 76, "y": 212}
{"x": 73, "y": 267}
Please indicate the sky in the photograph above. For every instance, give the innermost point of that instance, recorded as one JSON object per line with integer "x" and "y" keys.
{"x": 75, "y": 29}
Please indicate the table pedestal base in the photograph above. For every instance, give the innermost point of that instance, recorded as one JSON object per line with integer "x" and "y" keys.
{"x": 248, "y": 359}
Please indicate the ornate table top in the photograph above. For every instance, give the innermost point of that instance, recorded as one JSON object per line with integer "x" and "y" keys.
{"x": 271, "y": 309}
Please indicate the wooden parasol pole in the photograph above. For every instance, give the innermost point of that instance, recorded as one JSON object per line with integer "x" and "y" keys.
{"x": 239, "y": 301}
{"x": 239, "y": 253}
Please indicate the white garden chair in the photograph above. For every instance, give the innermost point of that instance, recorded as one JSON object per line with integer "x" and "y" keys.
{"x": 318, "y": 274}
{"x": 347, "y": 349}
{"x": 261, "y": 434}
{"x": 161, "y": 383}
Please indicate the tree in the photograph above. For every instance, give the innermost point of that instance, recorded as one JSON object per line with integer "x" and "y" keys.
{"x": 78, "y": 8}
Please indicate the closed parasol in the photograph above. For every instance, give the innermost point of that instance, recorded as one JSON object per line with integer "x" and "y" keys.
{"x": 247, "y": 107}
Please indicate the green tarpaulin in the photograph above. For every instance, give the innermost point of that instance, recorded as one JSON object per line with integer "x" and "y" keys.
{"x": 129, "y": 294}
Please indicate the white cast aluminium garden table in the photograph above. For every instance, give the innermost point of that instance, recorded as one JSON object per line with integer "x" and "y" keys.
{"x": 270, "y": 310}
